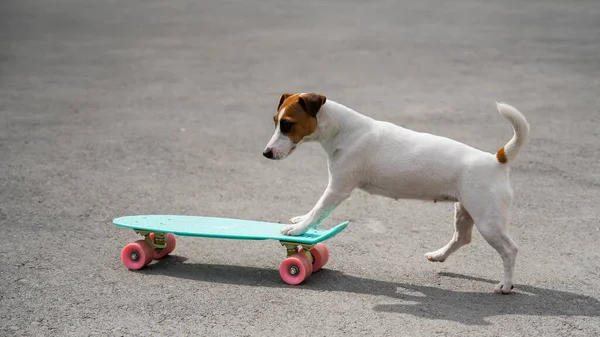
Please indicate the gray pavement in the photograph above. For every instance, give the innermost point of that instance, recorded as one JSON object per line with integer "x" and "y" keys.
{"x": 111, "y": 108}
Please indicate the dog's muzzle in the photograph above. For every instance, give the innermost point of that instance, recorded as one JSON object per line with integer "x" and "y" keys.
{"x": 268, "y": 153}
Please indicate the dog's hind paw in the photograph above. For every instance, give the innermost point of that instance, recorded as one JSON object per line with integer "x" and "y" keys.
{"x": 501, "y": 288}
{"x": 435, "y": 256}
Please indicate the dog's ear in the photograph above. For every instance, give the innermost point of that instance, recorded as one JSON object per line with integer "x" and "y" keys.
{"x": 311, "y": 103}
{"x": 284, "y": 96}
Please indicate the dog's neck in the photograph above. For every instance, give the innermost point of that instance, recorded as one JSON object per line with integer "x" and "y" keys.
{"x": 338, "y": 126}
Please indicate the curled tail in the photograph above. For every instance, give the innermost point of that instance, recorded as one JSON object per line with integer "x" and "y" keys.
{"x": 520, "y": 127}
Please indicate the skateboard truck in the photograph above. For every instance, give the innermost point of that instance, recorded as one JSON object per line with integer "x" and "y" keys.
{"x": 156, "y": 239}
{"x": 292, "y": 249}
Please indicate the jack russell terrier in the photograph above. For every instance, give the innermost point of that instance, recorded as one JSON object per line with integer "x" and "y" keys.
{"x": 388, "y": 160}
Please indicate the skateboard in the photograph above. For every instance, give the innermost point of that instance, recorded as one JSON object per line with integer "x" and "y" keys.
{"x": 305, "y": 253}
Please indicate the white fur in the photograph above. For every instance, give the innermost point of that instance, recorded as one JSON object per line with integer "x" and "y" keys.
{"x": 385, "y": 159}
{"x": 280, "y": 144}
{"x": 520, "y": 128}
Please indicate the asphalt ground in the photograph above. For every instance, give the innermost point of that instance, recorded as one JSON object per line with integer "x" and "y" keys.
{"x": 112, "y": 108}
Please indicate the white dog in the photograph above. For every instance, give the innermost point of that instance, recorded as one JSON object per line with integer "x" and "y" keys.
{"x": 385, "y": 159}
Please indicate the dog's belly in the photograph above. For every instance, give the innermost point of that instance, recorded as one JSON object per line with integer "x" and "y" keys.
{"x": 395, "y": 189}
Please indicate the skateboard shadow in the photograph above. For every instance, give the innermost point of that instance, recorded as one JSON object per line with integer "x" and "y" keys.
{"x": 469, "y": 308}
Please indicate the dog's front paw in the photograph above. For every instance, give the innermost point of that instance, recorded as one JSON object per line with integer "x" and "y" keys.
{"x": 504, "y": 288}
{"x": 293, "y": 230}
{"x": 298, "y": 219}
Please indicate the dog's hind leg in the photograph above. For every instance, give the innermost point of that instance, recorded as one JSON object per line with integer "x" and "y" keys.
{"x": 494, "y": 232}
{"x": 463, "y": 226}
{"x": 491, "y": 218}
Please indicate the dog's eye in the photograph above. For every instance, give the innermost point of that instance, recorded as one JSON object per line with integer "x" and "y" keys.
{"x": 285, "y": 125}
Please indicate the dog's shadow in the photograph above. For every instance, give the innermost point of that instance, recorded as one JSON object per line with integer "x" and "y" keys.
{"x": 470, "y": 308}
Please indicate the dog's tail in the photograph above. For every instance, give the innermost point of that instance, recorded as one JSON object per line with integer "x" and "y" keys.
{"x": 520, "y": 127}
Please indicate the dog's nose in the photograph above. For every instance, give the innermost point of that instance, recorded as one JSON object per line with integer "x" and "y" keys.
{"x": 268, "y": 153}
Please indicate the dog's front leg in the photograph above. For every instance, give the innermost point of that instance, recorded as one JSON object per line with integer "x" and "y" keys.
{"x": 330, "y": 199}
{"x": 298, "y": 219}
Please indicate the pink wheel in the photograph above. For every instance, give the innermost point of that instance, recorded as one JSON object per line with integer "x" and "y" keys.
{"x": 137, "y": 254}
{"x": 171, "y": 243}
{"x": 295, "y": 269}
{"x": 320, "y": 255}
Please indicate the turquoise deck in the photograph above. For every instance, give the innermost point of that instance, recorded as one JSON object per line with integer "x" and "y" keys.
{"x": 223, "y": 228}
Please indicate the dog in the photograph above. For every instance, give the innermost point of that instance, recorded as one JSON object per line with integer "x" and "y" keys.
{"x": 385, "y": 159}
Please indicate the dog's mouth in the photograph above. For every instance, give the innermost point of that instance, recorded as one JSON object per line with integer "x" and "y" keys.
{"x": 291, "y": 150}
{"x": 287, "y": 154}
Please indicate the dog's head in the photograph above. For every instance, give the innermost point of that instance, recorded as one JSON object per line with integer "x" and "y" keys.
{"x": 295, "y": 120}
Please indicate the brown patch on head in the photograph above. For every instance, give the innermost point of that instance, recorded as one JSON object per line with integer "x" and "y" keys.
{"x": 501, "y": 156}
{"x": 297, "y": 114}
{"x": 284, "y": 96}
{"x": 311, "y": 103}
